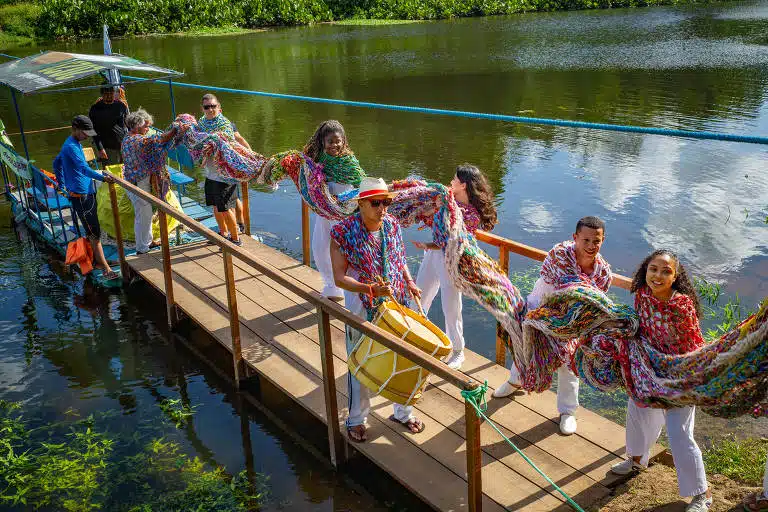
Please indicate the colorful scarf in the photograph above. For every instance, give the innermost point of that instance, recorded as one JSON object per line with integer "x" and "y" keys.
{"x": 341, "y": 169}
{"x": 471, "y": 270}
{"x": 373, "y": 258}
{"x": 671, "y": 327}
{"x": 560, "y": 268}
{"x": 214, "y": 141}
{"x": 218, "y": 124}
{"x": 145, "y": 156}
{"x": 728, "y": 377}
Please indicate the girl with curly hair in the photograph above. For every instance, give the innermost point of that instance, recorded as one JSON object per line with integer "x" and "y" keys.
{"x": 475, "y": 198}
{"x": 328, "y": 146}
{"x": 666, "y": 302}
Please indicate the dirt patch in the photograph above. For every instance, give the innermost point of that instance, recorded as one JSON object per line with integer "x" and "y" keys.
{"x": 655, "y": 490}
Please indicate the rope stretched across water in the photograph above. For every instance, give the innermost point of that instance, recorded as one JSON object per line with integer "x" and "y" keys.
{"x": 476, "y": 398}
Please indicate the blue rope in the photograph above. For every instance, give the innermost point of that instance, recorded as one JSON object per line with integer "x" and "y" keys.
{"x": 730, "y": 137}
{"x": 476, "y": 398}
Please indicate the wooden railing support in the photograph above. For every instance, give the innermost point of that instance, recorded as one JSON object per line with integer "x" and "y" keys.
{"x": 170, "y": 303}
{"x": 474, "y": 459}
{"x": 501, "y": 350}
{"x": 335, "y": 440}
{"x": 124, "y": 270}
{"x": 246, "y": 208}
{"x": 234, "y": 319}
{"x": 305, "y": 238}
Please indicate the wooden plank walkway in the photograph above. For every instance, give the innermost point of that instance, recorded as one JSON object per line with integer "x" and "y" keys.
{"x": 280, "y": 342}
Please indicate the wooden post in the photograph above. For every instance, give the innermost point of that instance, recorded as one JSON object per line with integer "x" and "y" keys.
{"x": 234, "y": 318}
{"x": 246, "y": 208}
{"x": 305, "y": 240}
{"x": 335, "y": 441}
{"x": 501, "y": 351}
{"x": 170, "y": 303}
{"x": 124, "y": 270}
{"x": 474, "y": 459}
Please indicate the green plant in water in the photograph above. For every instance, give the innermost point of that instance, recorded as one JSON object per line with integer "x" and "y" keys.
{"x": 742, "y": 460}
{"x": 83, "y": 471}
{"x": 178, "y": 412}
{"x": 724, "y": 317}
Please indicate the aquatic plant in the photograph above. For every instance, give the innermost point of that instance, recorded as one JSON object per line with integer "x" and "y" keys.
{"x": 86, "y": 469}
{"x": 723, "y": 317}
{"x": 178, "y": 412}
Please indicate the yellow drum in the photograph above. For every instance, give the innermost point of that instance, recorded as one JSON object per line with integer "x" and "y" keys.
{"x": 385, "y": 372}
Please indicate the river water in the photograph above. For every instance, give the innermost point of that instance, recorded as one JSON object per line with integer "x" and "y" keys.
{"x": 697, "y": 68}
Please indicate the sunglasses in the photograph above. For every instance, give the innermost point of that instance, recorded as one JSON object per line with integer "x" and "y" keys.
{"x": 379, "y": 202}
{"x": 208, "y": 107}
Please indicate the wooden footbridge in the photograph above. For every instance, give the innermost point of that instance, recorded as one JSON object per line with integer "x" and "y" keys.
{"x": 265, "y": 308}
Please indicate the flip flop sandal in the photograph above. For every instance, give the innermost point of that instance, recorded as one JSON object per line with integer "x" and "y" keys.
{"x": 110, "y": 276}
{"x": 357, "y": 434}
{"x": 410, "y": 423}
{"x": 755, "y": 502}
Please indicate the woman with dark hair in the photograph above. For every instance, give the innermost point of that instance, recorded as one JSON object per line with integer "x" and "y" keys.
{"x": 666, "y": 302}
{"x": 328, "y": 146}
{"x": 475, "y": 198}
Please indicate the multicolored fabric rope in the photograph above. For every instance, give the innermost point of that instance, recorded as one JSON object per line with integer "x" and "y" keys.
{"x": 472, "y": 271}
{"x": 560, "y": 268}
{"x": 233, "y": 162}
{"x": 728, "y": 377}
{"x": 309, "y": 179}
{"x": 373, "y": 258}
{"x": 341, "y": 169}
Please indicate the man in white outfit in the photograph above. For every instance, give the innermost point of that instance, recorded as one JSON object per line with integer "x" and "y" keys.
{"x": 567, "y": 263}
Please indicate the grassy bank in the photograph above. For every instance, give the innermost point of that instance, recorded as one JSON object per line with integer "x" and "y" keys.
{"x": 57, "y": 19}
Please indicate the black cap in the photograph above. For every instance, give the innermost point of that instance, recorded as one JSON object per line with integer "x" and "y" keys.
{"x": 84, "y": 123}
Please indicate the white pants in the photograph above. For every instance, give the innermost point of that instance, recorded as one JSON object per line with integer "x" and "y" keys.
{"x": 643, "y": 429}
{"x": 567, "y": 388}
{"x": 433, "y": 276}
{"x": 360, "y": 396}
{"x": 321, "y": 246}
{"x": 142, "y": 219}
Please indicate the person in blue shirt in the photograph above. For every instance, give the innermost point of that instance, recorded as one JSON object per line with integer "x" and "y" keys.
{"x": 75, "y": 177}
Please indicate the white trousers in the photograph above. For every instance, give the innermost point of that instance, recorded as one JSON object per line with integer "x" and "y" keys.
{"x": 142, "y": 218}
{"x": 321, "y": 246}
{"x": 567, "y": 388}
{"x": 643, "y": 429}
{"x": 433, "y": 276}
{"x": 360, "y": 396}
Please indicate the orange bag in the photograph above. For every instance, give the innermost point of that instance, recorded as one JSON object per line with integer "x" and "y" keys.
{"x": 80, "y": 252}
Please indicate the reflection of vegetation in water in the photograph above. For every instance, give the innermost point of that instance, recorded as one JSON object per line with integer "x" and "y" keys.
{"x": 73, "y": 466}
{"x": 742, "y": 460}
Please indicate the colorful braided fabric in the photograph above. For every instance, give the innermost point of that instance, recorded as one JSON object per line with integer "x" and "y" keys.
{"x": 233, "y": 162}
{"x": 728, "y": 377}
{"x": 561, "y": 269}
{"x": 373, "y": 258}
{"x": 671, "y": 327}
{"x": 471, "y": 270}
{"x": 341, "y": 169}
{"x": 309, "y": 179}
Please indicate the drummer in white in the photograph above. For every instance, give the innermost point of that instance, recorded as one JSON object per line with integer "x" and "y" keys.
{"x": 368, "y": 258}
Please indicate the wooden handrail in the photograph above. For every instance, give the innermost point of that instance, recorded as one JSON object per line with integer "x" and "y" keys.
{"x": 334, "y": 309}
{"x": 534, "y": 253}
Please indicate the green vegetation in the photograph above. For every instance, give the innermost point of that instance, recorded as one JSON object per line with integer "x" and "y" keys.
{"x": 54, "y": 19}
{"x": 72, "y": 466}
{"x": 724, "y": 316}
{"x": 741, "y": 460}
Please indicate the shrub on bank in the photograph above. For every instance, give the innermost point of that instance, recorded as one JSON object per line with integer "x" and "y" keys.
{"x": 53, "y": 19}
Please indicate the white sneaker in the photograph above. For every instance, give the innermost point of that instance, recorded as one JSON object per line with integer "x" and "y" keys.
{"x": 626, "y": 467}
{"x": 567, "y": 424}
{"x": 699, "y": 503}
{"x": 506, "y": 389}
{"x": 455, "y": 360}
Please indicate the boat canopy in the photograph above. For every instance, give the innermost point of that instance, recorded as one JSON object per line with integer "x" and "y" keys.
{"x": 50, "y": 69}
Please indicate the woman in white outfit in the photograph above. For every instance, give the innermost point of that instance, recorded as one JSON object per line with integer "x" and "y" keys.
{"x": 475, "y": 198}
{"x": 328, "y": 146}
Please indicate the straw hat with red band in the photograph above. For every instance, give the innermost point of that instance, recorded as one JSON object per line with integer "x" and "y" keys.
{"x": 373, "y": 188}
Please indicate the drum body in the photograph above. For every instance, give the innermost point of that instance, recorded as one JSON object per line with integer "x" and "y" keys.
{"x": 385, "y": 372}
